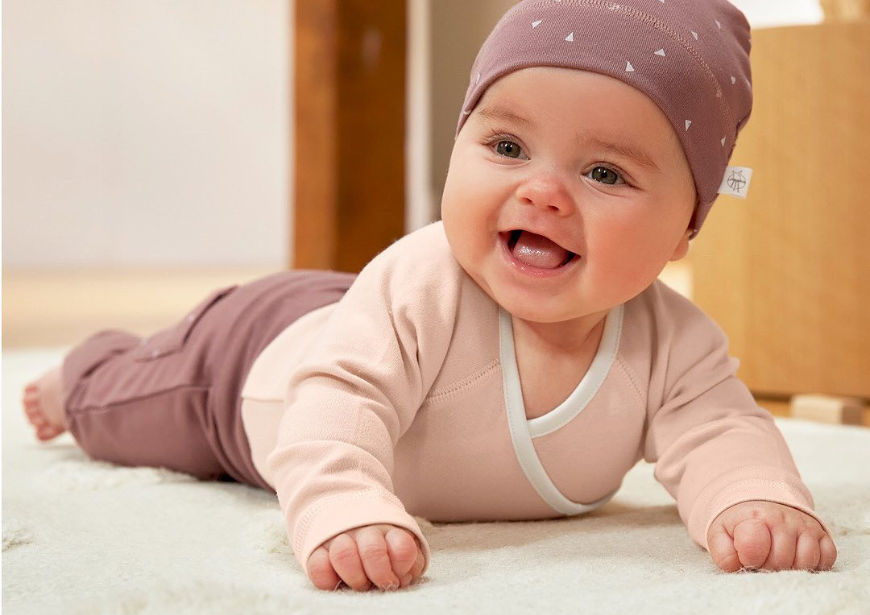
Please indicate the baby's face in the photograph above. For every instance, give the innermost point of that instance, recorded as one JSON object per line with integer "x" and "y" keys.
{"x": 567, "y": 194}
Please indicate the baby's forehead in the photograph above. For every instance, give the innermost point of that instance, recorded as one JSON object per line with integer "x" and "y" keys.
{"x": 576, "y": 101}
{"x": 532, "y": 84}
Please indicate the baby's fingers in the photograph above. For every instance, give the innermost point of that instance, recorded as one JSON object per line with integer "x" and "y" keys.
{"x": 416, "y": 570}
{"x": 403, "y": 551}
{"x": 376, "y": 558}
{"x": 753, "y": 542}
{"x": 419, "y": 565}
{"x": 722, "y": 550}
{"x": 808, "y": 552}
{"x": 345, "y": 559}
{"x": 828, "y": 553}
{"x": 320, "y": 570}
{"x": 783, "y": 549}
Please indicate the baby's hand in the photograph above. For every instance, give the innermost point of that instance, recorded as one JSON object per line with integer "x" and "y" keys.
{"x": 385, "y": 556}
{"x": 771, "y": 536}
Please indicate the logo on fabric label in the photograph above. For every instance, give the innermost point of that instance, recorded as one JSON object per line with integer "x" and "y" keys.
{"x": 736, "y": 181}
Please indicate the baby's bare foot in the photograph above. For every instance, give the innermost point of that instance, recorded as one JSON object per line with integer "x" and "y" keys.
{"x": 43, "y": 405}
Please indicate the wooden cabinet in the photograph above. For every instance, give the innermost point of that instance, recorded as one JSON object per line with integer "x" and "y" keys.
{"x": 786, "y": 272}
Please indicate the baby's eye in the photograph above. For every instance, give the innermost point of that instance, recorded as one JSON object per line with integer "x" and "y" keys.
{"x": 605, "y": 175}
{"x": 508, "y": 149}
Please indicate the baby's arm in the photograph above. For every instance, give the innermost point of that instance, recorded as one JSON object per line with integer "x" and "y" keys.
{"x": 384, "y": 556}
{"x": 769, "y": 536}
{"x": 351, "y": 400}
{"x": 720, "y": 455}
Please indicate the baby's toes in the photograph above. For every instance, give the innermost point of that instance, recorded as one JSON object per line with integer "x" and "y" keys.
{"x": 30, "y": 396}
{"x": 32, "y": 409}
{"x": 32, "y": 401}
{"x": 47, "y": 432}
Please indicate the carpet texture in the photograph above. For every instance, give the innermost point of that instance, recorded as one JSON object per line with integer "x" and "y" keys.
{"x": 90, "y": 538}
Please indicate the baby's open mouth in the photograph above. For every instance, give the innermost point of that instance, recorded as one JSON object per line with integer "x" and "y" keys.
{"x": 536, "y": 250}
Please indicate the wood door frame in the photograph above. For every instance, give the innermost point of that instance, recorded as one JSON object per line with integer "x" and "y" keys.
{"x": 349, "y": 131}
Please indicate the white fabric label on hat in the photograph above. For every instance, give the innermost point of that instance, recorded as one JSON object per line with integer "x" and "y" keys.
{"x": 736, "y": 181}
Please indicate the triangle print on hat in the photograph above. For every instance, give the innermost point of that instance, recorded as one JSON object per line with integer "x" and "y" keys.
{"x": 570, "y": 38}
{"x": 535, "y": 24}
{"x": 629, "y": 68}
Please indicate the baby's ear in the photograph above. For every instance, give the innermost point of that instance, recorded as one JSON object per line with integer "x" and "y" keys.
{"x": 683, "y": 247}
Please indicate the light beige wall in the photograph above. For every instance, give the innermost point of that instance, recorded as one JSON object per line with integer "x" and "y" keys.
{"x": 143, "y": 132}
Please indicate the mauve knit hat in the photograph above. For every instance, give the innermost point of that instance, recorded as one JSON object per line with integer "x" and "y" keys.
{"x": 691, "y": 57}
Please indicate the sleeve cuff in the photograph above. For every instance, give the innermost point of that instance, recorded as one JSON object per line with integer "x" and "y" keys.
{"x": 712, "y": 503}
{"x": 335, "y": 516}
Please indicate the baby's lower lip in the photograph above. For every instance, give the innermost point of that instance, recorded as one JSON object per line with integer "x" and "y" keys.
{"x": 530, "y": 270}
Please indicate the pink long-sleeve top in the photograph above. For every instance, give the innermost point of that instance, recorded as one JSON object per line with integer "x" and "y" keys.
{"x": 404, "y": 399}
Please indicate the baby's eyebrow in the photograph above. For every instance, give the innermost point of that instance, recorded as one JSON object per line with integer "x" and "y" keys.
{"x": 620, "y": 149}
{"x": 498, "y": 113}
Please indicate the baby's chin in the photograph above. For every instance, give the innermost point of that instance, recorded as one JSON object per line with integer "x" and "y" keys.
{"x": 541, "y": 311}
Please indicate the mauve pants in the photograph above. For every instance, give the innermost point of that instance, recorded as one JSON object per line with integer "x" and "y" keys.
{"x": 173, "y": 399}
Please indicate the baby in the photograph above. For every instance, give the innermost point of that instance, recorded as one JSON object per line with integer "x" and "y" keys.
{"x": 512, "y": 361}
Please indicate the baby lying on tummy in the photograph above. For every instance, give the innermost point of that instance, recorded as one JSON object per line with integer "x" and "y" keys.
{"x": 512, "y": 361}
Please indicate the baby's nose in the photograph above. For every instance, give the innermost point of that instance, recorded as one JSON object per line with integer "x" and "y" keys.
{"x": 547, "y": 191}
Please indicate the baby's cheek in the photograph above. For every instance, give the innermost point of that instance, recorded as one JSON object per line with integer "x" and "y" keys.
{"x": 622, "y": 266}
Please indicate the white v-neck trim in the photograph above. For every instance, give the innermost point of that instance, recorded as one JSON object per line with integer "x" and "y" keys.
{"x": 565, "y": 412}
{"x": 523, "y": 430}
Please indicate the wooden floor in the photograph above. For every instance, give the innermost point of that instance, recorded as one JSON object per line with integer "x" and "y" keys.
{"x": 57, "y": 309}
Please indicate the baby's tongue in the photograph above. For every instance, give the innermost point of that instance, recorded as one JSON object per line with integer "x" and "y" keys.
{"x": 538, "y": 251}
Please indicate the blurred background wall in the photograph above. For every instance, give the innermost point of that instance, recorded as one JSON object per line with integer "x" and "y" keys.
{"x": 145, "y": 132}
{"x": 156, "y": 132}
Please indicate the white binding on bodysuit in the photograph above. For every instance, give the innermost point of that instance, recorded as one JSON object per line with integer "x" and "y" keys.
{"x": 523, "y": 430}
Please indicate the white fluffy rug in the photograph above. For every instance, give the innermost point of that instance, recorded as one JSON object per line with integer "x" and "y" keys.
{"x": 90, "y": 538}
